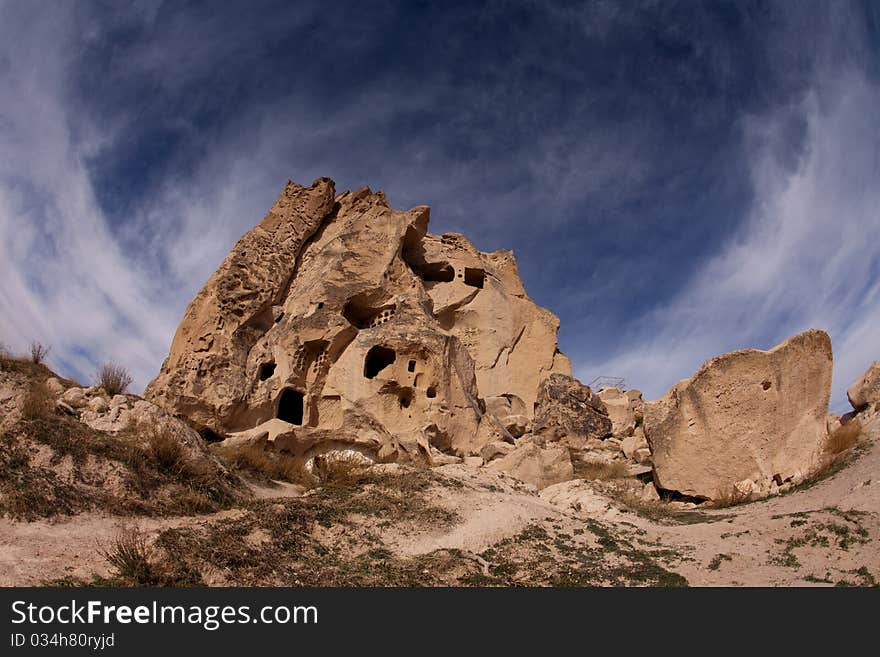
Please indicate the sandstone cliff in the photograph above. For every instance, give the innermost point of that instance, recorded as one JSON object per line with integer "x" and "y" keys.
{"x": 357, "y": 329}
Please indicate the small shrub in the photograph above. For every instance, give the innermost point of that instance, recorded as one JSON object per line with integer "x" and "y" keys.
{"x": 25, "y": 366}
{"x": 132, "y": 559}
{"x": 715, "y": 564}
{"x": 843, "y": 438}
{"x": 166, "y": 451}
{"x": 38, "y": 353}
{"x": 592, "y": 470}
{"x": 114, "y": 378}
{"x": 37, "y": 402}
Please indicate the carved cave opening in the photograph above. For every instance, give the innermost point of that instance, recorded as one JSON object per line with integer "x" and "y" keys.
{"x": 377, "y": 359}
{"x": 266, "y": 371}
{"x": 435, "y": 272}
{"x": 474, "y": 277}
{"x": 210, "y": 436}
{"x": 362, "y": 314}
{"x": 414, "y": 256}
{"x": 290, "y": 406}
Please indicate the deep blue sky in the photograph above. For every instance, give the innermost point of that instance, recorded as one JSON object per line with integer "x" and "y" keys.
{"x": 677, "y": 179}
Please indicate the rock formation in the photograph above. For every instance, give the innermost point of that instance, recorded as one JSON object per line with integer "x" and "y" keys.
{"x": 866, "y": 389}
{"x": 349, "y": 323}
{"x": 748, "y": 419}
{"x": 568, "y": 410}
{"x": 624, "y": 409}
{"x": 341, "y": 327}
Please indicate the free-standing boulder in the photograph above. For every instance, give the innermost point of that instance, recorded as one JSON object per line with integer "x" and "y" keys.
{"x": 866, "y": 389}
{"x": 347, "y": 320}
{"x": 746, "y": 415}
{"x": 567, "y": 409}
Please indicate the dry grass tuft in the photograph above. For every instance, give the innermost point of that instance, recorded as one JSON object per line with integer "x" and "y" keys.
{"x": 136, "y": 563}
{"x": 114, "y": 378}
{"x": 342, "y": 472}
{"x": 165, "y": 450}
{"x": 37, "y": 403}
{"x": 843, "y": 438}
{"x": 727, "y": 497}
{"x": 131, "y": 558}
{"x": 261, "y": 463}
{"x": 159, "y": 474}
{"x": 593, "y": 470}
{"x": 28, "y": 491}
{"x": 157, "y": 457}
{"x": 25, "y": 366}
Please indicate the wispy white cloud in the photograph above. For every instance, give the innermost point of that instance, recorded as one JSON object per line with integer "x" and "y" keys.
{"x": 99, "y": 289}
{"x": 66, "y": 282}
{"x": 804, "y": 257}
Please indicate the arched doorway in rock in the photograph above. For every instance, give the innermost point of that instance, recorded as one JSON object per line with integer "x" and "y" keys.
{"x": 377, "y": 359}
{"x": 290, "y": 406}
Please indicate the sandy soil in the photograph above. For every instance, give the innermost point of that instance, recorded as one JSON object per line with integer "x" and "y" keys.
{"x": 826, "y": 534}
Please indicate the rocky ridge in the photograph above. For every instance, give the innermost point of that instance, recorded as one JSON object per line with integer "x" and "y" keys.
{"x": 340, "y": 327}
{"x": 360, "y": 331}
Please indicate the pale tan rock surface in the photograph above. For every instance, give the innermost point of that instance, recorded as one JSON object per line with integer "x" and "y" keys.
{"x": 54, "y": 386}
{"x": 203, "y": 376}
{"x": 624, "y": 409}
{"x": 633, "y": 443}
{"x": 470, "y": 523}
{"x": 866, "y": 389}
{"x": 350, "y": 322}
{"x": 832, "y": 422}
{"x": 539, "y": 466}
{"x": 746, "y": 415}
{"x": 579, "y": 496}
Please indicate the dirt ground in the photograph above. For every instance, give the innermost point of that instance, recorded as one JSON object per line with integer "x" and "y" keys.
{"x": 464, "y": 526}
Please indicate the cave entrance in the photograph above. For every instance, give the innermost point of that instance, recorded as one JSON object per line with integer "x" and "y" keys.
{"x": 436, "y": 272}
{"x": 474, "y": 277}
{"x": 290, "y": 406}
{"x": 210, "y": 436}
{"x": 266, "y": 371}
{"x": 362, "y": 314}
{"x": 378, "y": 358}
{"x": 414, "y": 255}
